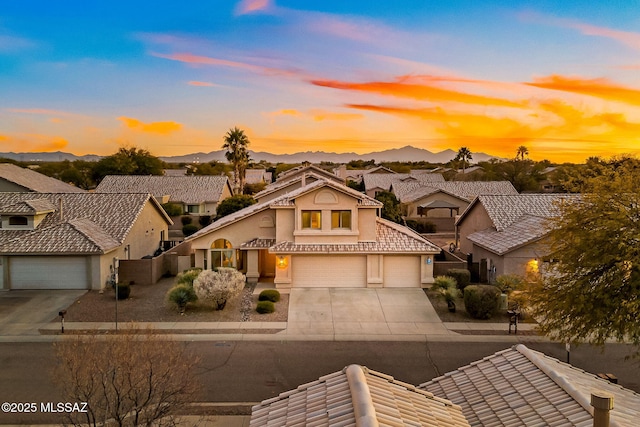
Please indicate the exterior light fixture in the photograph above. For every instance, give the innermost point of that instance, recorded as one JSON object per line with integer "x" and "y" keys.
{"x": 281, "y": 261}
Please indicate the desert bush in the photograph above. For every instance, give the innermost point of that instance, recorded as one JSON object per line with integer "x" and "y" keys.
{"x": 186, "y": 220}
{"x": 189, "y": 229}
{"x": 172, "y": 209}
{"x": 509, "y": 282}
{"x": 217, "y": 287}
{"x": 446, "y": 285}
{"x": 265, "y": 307}
{"x": 204, "y": 220}
{"x": 269, "y": 295}
{"x": 188, "y": 276}
{"x": 181, "y": 295}
{"x": 462, "y": 276}
{"x": 123, "y": 291}
{"x": 481, "y": 301}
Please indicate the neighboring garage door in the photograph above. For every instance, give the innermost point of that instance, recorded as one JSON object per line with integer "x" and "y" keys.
{"x": 48, "y": 272}
{"x": 401, "y": 271}
{"x": 329, "y": 271}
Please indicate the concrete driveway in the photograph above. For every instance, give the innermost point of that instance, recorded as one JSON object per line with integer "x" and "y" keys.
{"x": 24, "y": 312}
{"x": 362, "y": 313}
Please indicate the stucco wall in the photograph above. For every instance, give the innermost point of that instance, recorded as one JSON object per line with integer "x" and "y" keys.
{"x": 475, "y": 220}
{"x": 240, "y": 232}
{"x": 144, "y": 237}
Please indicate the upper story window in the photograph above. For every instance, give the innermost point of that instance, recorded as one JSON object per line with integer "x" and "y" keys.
{"x": 341, "y": 219}
{"x": 18, "y": 220}
{"x": 312, "y": 219}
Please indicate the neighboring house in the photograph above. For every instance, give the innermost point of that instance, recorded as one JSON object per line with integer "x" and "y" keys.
{"x": 357, "y": 396}
{"x": 281, "y": 187}
{"x": 523, "y": 387}
{"x": 72, "y": 240}
{"x": 305, "y": 169}
{"x": 16, "y": 179}
{"x": 374, "y": 183}
{"x": 441, "y": 202}
{"x": 257, "y": 176}
{"x": 198, "y": 194}
{"x": 506, "y": 232}
{"x": 321, "y": 235}
{"x": 356, "y": 175}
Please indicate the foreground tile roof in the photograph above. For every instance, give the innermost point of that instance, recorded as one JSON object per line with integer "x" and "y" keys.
{"x": 522, "y": 387}
{"x": 525, "y": 230}
{"x": 35, "y": 181}
{"x": 410, "y": 191}
{"x": 357, "y": 396}
{"x": 191, "y": 189}
{"x": 80, "y": 223}
{"x": 390, "y": 238}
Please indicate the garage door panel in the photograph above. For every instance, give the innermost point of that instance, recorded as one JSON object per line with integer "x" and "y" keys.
{"x": 329, "y": 271}
{"x": 401, "y": 271}
{"x": 48, "y": 273}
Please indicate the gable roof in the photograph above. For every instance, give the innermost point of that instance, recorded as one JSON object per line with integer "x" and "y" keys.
{"x": 357, "y": 396}
{"x": 189, "y": 189}
{"x": 523, "y": 387}
{"x": 408, "y": 192}
{"x": 35, "y": 181}
{"x": 390, "y": 238}
{"x": 385, "y": 181}
{"x": 307, "y": 169}
{"x": 524, "y": 230}
{"x": 88, "y": 223}
{"x": 279, "y": 185}
{"x": 255, "y": 176}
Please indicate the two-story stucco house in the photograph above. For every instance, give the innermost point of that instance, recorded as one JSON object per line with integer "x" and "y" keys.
{"x": 74, "y": 240}
{"x": 323, "y": 234}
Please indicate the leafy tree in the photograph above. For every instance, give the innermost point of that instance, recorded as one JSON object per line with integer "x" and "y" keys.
{"x": 217, "y": 287}
{"x": 233, "y": 204}
{"x": 134, "y": 379}
{"x": 128, "y": 161}
{"x": 361, "y": 164}
{"x": 391, "y": 206}
{"x": 211, "y": 168}
{"x": 592, "y": 291}
{"x": 236, "y": 143}
{"x": 464, "y": 156}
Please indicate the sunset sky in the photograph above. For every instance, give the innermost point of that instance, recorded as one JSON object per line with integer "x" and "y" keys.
{"x": 86, "y": 77}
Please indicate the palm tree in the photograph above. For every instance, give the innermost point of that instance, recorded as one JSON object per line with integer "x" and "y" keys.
{"x": 464, "y": 155}
{"x": 522, "y": 152}
{"x": 236, "y": 143}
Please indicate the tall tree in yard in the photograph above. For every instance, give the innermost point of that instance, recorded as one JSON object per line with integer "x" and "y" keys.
{"x": 236, "y": 143}
{"x": 464, "y": 155}
{"x": 522, "y": 152}
{"x": 592, "y": 289}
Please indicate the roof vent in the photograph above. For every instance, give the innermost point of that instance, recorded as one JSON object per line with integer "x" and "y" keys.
{"x": 602, "y": 403}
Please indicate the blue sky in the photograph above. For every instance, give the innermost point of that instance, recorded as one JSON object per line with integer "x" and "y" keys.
{"x": 562, "y": 78}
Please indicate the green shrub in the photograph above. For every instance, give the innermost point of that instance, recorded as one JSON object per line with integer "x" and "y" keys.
{"x": 186, "y": 220}
{"x": 204, "y": 220}
{"x": 462, "y": 276}
{"x": 189, "y": 229}
{"x": 446, "y": 285}
{"x": 265, "y": 307}
{"x": 124, "y": 290}
{"x": 173, "y": 209}
{"x": 188, "y": 276}
{"x": 481, "y": 301}
{"x": 509, "y": 282}
{"x": 181, "y": 295}
{"x": 269, "y": 295}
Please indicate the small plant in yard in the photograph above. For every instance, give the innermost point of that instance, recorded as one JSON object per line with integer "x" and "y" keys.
{"x": 217, "y": 287}
{"x": 446, "y": 286}
{"x": 188, "y": 276}
{"x": 481, "y": 301}
{"x": 462, "y": 276}
{"x": 265, "y": 307}
{"x": 186, "y": 220}
{"x": 180, "y": 296}
{"x": 269, "y": 295}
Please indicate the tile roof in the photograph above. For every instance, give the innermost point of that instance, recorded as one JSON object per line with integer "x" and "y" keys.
{"x": 385, "y": 181}
{"x": 524, "y": 230}
{"x": 35, "y": 181}
{"x": 88, "y": 222}
{"x": 278, "y": 185}
{"x": 255, "y": 176}
{"x": 356, "y": 396}
{"x": 190, "y": 189}
{"x": 258, "y": 243}
{"x": 33, "y": 206}
{"x": 408, "y": 192}
{"x": 523, "y": 387}
{"x": 286, "y": 175}
{"x": 390, "y": 237}
{"x": 504, "y": 210}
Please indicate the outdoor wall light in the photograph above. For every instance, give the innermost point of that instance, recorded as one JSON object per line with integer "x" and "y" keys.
{"x": 282, "y": 262}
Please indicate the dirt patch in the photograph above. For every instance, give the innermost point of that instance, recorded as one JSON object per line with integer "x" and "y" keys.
{"x": 147, "y": 304}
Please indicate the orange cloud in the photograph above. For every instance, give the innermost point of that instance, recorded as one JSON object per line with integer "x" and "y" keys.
{"x": 163, "y": 128}
{"x": 33, "y": 142}
{"x": 404, "y": 87}
{"x": 600, "y": 88}
{"x": 320, "y": 116}
{"x": 251, "y": 6}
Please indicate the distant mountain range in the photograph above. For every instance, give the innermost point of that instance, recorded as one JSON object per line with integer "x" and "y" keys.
{"x": 404, "y": 154}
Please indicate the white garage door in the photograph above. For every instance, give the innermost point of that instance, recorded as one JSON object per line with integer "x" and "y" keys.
{"x": 329, "y": 271}
{"x": 48, "y": 272}
{"x": 401, "y": 271}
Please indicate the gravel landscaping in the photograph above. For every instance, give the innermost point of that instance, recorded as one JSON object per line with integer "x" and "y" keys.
{"x": 147, "y": 304}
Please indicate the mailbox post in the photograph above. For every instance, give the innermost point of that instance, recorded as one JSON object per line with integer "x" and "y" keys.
{"x": 61, "y": 314}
